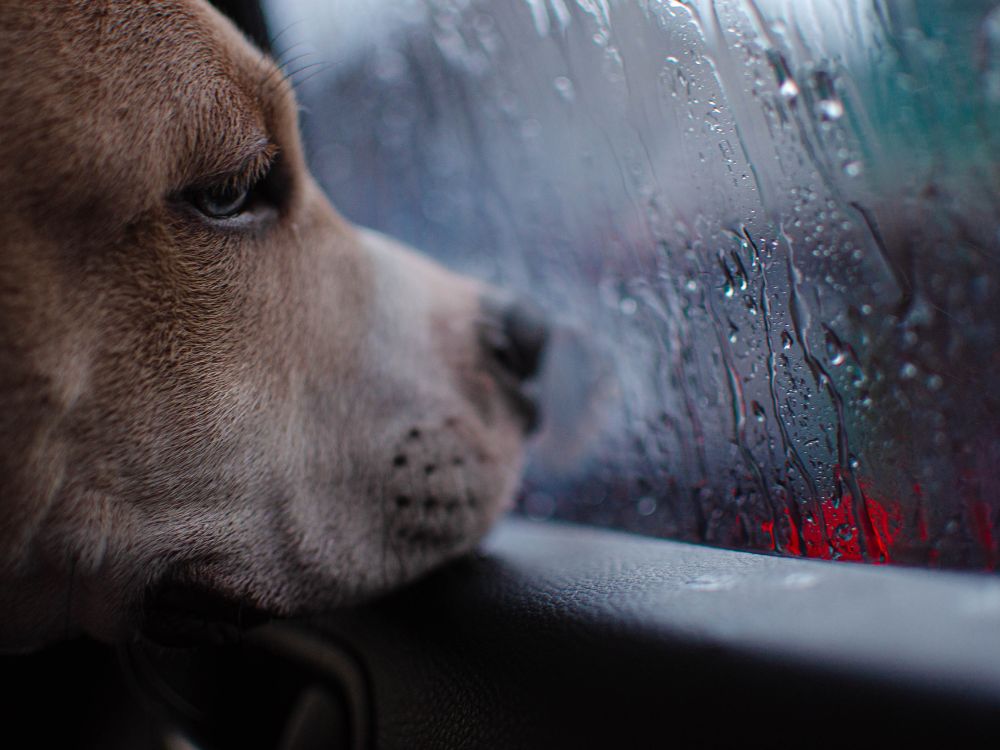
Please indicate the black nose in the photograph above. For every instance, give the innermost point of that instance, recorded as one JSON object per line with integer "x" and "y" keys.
{"x": 514, "y": 336}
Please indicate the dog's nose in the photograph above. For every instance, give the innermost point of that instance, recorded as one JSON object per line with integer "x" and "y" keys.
{"x": 514, "y": 336}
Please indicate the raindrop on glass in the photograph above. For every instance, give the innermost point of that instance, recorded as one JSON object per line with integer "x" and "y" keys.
{"x": 834, "y": 349}
{"x": 831, "y": 109}
{"x": 853, "y": 168}
{"x": 646, "y": 506}
{"x": 564, "y": 87}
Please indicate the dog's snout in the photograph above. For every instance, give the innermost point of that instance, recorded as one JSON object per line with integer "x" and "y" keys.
{"x": 514, "y": 337}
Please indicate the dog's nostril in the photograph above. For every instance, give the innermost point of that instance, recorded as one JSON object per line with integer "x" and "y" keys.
{"x": 516, "y": 340}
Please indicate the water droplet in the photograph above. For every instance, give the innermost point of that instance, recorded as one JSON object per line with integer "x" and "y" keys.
{"x": 628, "y": 306}
{"x": 908, "y": 371}
{"x": 830, "y": 106}
{"x": 831, "y": 109}
{"x": 540, "y": 16}
{"x": 845, "y": 531}
{"x": 564, "y": 87}
{"x": 712, "y": 583}
{"x": 646, "y": 506}
{"x": 853, "y": 168}
{"x": 800, "y": 580}
{"x": 934, "y": 382}
{"x": 786, "y": 340}
{"x": 834, "y": 349}
{"x": 730, "y": 284}
{"x": 682, "y": 79}
{"x": 787, "y": 86}
{"x": 758, "y": 411}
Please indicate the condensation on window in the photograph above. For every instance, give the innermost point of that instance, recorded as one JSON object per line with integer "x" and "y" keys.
{"x": 768, "y": 231}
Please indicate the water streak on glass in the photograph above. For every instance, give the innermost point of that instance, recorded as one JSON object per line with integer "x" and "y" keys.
{"x": 768, "y": 228}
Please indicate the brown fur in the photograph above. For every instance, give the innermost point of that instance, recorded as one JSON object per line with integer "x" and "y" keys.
{"x": 292, "y": 413}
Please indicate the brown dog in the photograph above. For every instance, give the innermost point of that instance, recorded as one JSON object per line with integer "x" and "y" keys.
{"x": 209, "y": 381}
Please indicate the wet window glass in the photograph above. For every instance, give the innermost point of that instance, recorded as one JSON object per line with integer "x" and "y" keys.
{"x": 768, "y": 230}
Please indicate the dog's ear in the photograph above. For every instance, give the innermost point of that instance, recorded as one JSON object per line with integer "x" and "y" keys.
{"x": 249, "y": 18}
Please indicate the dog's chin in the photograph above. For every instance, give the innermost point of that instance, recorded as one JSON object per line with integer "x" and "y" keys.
{"x": 445, "y": 482}
{"x": 179, "y": 614}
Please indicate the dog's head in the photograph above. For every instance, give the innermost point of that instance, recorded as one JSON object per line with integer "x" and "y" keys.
{"x": 209, "y": 379}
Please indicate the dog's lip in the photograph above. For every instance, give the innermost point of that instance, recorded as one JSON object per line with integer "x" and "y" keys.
{"x": 179, "y": 614}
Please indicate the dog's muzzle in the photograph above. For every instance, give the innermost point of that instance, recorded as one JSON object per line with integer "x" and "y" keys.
{"x": 514, "y": 337}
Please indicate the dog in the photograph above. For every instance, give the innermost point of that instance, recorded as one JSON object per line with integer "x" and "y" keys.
{"x": 215, "y": 392}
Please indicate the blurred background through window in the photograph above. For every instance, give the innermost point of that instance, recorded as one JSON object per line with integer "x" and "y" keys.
{"x": 769, "y": 230}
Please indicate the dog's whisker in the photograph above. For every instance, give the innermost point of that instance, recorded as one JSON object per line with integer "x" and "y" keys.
{"x": 276, "y": 69}
{"x": 274, "y": 76}
{"x": 288, "y": 59}
{"x": 321, "y": 65}
{"x": 286, "y": 64}
{"x": 316, "y": 68}
{"x": 284, "y": 30}
{"x": 282, "y": 59}
{"x": 306, "y": 80}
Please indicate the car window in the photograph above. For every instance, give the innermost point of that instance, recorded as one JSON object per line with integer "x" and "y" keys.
{"x": 768, "y": 232}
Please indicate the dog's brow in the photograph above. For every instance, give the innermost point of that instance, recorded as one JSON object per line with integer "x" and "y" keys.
{"x": 252, "y": 159}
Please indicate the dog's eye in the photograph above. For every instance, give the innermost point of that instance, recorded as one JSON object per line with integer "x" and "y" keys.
{"x": 221, "y": 202}
{"x": 244, "y": 197}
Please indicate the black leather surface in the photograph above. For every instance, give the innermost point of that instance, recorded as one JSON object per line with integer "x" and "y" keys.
{"x": 557, "y": 636}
